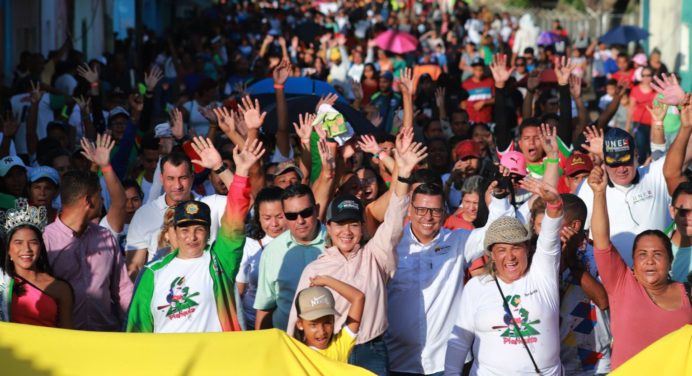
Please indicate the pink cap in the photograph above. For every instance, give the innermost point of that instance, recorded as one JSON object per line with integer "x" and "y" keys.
{"x": 639, "y": 59}
{"x": 515, "y": 162}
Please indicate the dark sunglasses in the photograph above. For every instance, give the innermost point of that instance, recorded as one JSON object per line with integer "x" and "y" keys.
{"x": 305, "y": 213}
{"x": 682, "y": 211}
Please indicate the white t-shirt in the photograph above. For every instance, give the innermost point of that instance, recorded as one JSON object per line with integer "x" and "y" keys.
{"x": 20, "y": 110}
{"x": 145, "y": 226}
{"x": 120, "y": 237}
{"x": 249, "y": 274}
{"x": 183, "y": 298}
{"x": 641, "y": 206}
{"x": 484, "y": 327}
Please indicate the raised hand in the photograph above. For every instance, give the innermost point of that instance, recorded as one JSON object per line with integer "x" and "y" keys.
{"x": 240, "y": 88}
{"x": 686, "y": 113}
{"x": 247, "y": 156}
{"x": 208, "y": 113}
{"x": 304, "y": 126}
{"x": 239, "y": 122}
{"x": 658, "y": 112}
{"x": 136, "y": 102}
{"x": 594, "y": 137}
{"x": 376, "y": 119}
{"x": 84, "y": 104}
{"x": 563, "y": 69}
{"x": 251, "y": 113}
{"x": 597, "y": 180}
{"x": 9, "y": 125}
{"x": 407, "y": 160}
{"x": 152, "y": 78}
{"x": 100, "y": 152}
{"x": 406, "y": 81}
{"x": 225, "y": 121}
{"x": 357, "y": 90}
{"x": 327, "y": 157}
{"x": 547, "y": 135}
{"x": 282, "y": 72}
{"x": 575, "y": 86}
{"x": 546, "y": 191}
{"x": 404, "y": 139}
{"x": 670, "y": 88}
{"x": 368, "y": 144}
{"x": 330, "y": 99}
{"x": 440, "y": 97}
{"x": 499, "y": 69}
{"x": 534, "y": 80}
{"x": 89, "y": 74}
{"x": 210, "y": 157}
{"x": 176, "y": 122}
{"x": 36, "y": 92}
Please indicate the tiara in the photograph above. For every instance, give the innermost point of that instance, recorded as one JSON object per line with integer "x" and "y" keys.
{"x": 23, "y": 214}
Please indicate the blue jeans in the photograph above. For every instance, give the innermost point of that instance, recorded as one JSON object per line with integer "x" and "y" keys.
{"x": 642, "y": 141}
{"x": 371, "y": 356}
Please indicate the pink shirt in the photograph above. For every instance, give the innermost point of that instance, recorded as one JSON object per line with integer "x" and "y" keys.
{"x": 635, "y": 320}
{"x": 368, "y": 269}
{"x": 95, "y": 268}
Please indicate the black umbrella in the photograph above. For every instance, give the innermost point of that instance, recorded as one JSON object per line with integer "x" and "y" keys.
{"x": 306, "y": 104}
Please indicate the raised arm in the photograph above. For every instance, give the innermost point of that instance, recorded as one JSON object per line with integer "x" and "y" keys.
{"x": 92, "y": 77}
{"x": 151, "y": 80}
{"x": 563, "y": 70}
{"x": 9, "y": 129}
{"x": 211, "y": 159}
{"x": 304, "y": 131}
{"x": 280, "y": 75}
{"x": 324, "y": 185}
{"x": 532, "y": 83}
{"x": 99, "y": 154}
{"x": 609, "y": 112}
{"x": 501, "y": 74}
{"x": 406, "y": 86}
{"x": 252, "y": 117}
{"x": 582, "y": 112}
{"x": 676, "y": 158}
{"x": 658, "y": 139}
{"x": 85, "y": 116}
{"x": 32, "y": 120}
{"x": 350, "y": 293}
{"x": 548, "y": 138}
{"x": 228, "y": 125}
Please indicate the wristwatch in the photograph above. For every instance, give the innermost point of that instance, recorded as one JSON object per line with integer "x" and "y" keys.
{"x": 220, "y": 169}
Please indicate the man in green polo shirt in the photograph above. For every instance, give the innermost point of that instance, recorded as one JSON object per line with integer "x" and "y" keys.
{"x": 284, "y": 259}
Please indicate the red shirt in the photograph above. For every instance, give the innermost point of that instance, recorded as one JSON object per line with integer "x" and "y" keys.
{"x": 641, "y": 101}
{"x": 457, "y": 221}
{"x": 624, "y": 75}
{"x": 478, "y": 91}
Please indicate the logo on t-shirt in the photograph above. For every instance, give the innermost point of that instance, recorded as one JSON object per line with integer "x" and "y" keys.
{"x": 179, "y": 298}
{"x": 522, "y": 320}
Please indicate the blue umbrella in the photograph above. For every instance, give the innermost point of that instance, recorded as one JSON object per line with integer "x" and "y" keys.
{"x": 623, "y": 35}
{"x": 547, "y": 38}
{"x": 293, "y": 86}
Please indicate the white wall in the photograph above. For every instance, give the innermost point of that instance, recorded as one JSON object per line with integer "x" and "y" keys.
{"x": 665, "y": 28}
{"x": 90, "y": 11}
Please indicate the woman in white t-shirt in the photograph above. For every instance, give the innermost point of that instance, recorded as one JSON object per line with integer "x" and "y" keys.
{"x": 509, "y": 316}
{"x": 267, "y": 223}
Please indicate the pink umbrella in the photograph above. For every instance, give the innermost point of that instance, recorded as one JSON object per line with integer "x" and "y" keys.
{"x": 397, "y": 42}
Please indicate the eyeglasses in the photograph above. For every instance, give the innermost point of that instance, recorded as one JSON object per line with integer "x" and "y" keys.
{"x": 305, "y": 213}
{"x": 683, "y": 212}
{"x": 423, "y": 211}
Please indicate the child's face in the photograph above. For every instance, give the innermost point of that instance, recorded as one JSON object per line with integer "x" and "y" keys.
{"x": 610, "y": 89}
{"x": 318, "y": 333}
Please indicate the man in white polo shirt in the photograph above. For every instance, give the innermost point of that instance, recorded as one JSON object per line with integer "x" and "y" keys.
{"x": 145, "y": 227}
{"x": 638, "y": 197}
{"x": 425, "y": 294}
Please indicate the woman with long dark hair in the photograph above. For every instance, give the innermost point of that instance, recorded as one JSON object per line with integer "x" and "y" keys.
{"x": 267, "y": 223}
{"x": 31, "y": 294}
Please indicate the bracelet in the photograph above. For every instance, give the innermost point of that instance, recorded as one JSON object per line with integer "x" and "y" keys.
{"x": 658, "y": 123}
{"x": 552, "y": 160}
{"x": 553, "y": 206}
{"x": 108, "y": 168}
{"x": 220, "y": 169}
{"x": 408, "y": 180}
{"x": 278, "y": 86}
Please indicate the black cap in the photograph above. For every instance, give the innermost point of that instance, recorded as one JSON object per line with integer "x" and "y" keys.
{"x": 344, "y": 208}
{"x": 618, "y": 147}
{"x": 478, "y": 62}
{"x": 192, "y": 212}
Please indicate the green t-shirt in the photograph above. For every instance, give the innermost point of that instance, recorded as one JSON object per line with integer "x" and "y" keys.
{"x": 7, "y": 201}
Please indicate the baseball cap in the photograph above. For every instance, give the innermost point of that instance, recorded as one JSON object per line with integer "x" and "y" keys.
{"x": 286, "y": 166}
{"x": 118, "y": 110}
{"x": 343, "y": 208}
{"x": 41, "y": 172}
{"x": 7, "y": 163}
{"x": 515, "y": 162}
{"x": 192, "y": 212}
{"x": 387, "y": 75}
{"x": 478, "y": 62}
{"x": 639, "y": 59}
{"x": 467, "y": 148}
{"x": 162, "y": 130}
{"x": 577, "y": 163}
{"x": 618, "y": 147}
{"x": 315, "y": 302}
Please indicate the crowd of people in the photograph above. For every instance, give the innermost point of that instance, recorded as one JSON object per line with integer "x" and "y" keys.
{"x": 457, "y": 208}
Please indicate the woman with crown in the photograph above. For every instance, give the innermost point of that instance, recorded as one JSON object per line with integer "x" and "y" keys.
{"x": 29, "y": 294}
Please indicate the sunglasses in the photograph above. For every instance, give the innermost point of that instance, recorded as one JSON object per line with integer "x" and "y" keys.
{"x": 683, "y": 212}
{"x": 305, "y": 213}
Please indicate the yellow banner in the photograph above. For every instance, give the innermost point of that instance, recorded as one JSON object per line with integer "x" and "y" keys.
{"x": 670, "y": 355}
{"x": 31, "y": 350}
